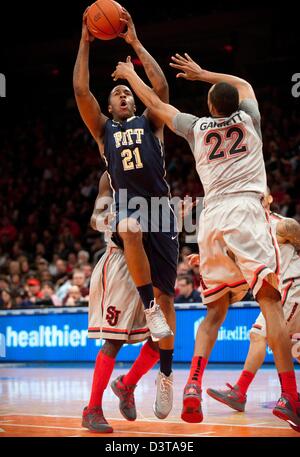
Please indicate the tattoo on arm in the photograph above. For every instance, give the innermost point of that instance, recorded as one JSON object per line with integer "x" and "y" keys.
{"x": 154, "y": 73}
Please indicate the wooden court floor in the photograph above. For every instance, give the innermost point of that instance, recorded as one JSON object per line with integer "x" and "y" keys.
{"x": 48, "y": 401}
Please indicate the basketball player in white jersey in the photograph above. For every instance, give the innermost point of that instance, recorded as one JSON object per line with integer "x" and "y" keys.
{"x": 236, "y": 245}
{"x": 287, "y": 232}
{"x": 116, "y": 314}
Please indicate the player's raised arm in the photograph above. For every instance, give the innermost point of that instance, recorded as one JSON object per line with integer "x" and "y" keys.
{"x": 99, "y": 219}
{"x": 163, "y": 111}
{"x": 152, "y": 69}
{"x": 288, "y": 230}
{"x": 190, "y": 70}
{"x": 87, "y": 104}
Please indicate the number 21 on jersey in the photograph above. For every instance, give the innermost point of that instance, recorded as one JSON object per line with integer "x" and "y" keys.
{"x": 131, "y": 159}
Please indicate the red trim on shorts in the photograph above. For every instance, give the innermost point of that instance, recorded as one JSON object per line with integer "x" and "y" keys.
{"x": 292, "y": 312}
{"x": 124, "y": 331}
{"x": 256, "y": 274}
{"x": 259, "y": 327}
{"x": 286, "y": 290}
{"x": 104, "y": 277}
{"x": 141, "y": 330}
{"x": 118, "y": 331}
{"x": 275, "y": 244}
{"x": 208, "y": 293}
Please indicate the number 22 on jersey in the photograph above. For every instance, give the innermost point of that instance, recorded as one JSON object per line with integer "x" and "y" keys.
{"x": 131, "y": 159}
{"x": 225, "y": 143}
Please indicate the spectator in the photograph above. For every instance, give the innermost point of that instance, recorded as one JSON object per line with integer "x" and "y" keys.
{"x": 78, "y": 279}
{"x": 48, "y": 293}
{"x": 72, "y": 261}
{"x": 8, "y": 231}
{"x": 74, "y": 297}
{"x": 33, "y": 289}
{"x": 87, "y": 270}
{"x": 42, "y": 265}
{"x": 15, "y": 281}
{"x": 6, "y": 301}
{"x": 83, "y": 258}
{"x": 187, "y": 293}
{"x": 45, "y": 276}
{"x": 14, "y": 268}
{"x": 61, "y": 275}
{"x": 4, "y": 282}
{"x": 24, "y": 266}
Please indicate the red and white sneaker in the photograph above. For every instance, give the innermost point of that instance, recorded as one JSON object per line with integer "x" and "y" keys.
{"x": 288, "y": 410}
{"x": 191, "y": 410}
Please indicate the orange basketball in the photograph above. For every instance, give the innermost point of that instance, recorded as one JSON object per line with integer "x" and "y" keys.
{"x": 103, "y": 19}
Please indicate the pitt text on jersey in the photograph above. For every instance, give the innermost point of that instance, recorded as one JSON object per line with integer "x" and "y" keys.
{"x": 129, "y": 137}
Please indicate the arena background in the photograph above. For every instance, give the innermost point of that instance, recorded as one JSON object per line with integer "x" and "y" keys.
{"x": 50, "y": 166}
{"x": 49, "y": 172}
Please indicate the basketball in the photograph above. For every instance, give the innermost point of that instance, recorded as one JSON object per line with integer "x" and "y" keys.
{"x": 103, "y": 19}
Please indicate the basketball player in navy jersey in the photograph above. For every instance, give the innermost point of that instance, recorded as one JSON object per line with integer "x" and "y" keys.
{"x": 132, "y": 147}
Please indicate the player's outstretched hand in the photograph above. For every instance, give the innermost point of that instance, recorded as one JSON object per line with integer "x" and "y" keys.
{"x": 130, "y": 35}
{"x": 123, "y": 69}
{"x": 194, "y": 260}
{"x": 85, "y": 34}
{"x": 189, "y": 69}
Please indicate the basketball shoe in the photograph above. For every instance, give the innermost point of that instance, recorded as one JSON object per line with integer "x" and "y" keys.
{"x": 126, "y": 396}
{"x": 288, "y": 410}
{"x": 164, "y": 395}
{"x": 94, "y": 420}
{"x": 156, "y": 322}
{"x": 231, "y": 397}
{"x": 191, "y": 410}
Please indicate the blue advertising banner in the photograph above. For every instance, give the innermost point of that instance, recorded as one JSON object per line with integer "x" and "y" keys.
{"x": 62, "y": 336}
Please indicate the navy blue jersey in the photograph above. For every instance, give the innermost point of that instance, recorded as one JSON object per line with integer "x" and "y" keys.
{"x": 135, "y": 158}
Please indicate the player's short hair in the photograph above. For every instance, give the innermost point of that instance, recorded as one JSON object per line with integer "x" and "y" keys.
{"x": 225, "y": 98}
{"x": 110, "y": 94}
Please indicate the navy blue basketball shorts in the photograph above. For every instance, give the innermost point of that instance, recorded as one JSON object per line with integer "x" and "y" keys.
{"x": 160, "y": 239}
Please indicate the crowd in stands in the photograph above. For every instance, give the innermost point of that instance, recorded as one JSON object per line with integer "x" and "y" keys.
{"x": 50, "y": 169}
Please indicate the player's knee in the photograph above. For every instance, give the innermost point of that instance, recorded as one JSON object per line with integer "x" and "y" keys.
{"x": 256, "y": 339}
{"x": 276, "y": 334}
{"x": 130, "y": 230}
{"x": 112, "y": 347}
{"x": 215, "y": 316}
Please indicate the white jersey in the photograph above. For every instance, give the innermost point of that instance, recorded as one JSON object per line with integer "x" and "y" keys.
{"x": 290, "y": 259}
{"x": 227, "y": 151}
